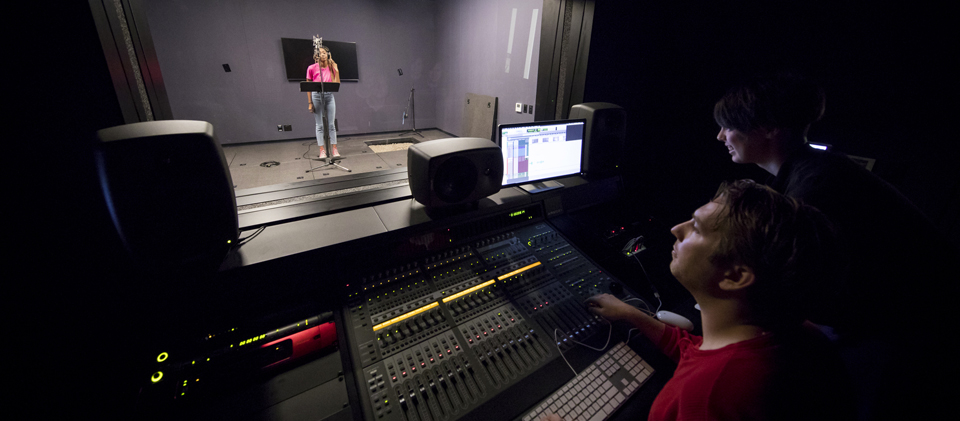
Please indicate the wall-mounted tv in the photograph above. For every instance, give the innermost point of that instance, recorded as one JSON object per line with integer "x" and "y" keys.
{"x": 298, "y": 55}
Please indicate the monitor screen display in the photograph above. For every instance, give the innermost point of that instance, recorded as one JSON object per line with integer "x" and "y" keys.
{"x": 540, "y": 150}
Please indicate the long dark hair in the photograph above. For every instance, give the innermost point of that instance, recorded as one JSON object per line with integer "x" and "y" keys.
{"x": 316, "y": 58}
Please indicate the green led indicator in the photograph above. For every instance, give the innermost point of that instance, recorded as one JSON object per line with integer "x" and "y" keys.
{"x": 156, "y": 376}
{"x": 162, "y": 357}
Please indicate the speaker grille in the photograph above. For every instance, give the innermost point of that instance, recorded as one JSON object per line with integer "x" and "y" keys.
{"x": 456, "y": 178}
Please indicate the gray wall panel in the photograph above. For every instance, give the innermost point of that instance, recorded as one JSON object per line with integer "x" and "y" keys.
{"x": 473, "y": 53}
{"x": 445, "y": 48}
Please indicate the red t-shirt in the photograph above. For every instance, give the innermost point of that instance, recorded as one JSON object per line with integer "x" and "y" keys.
{"x": 768, "y": 377}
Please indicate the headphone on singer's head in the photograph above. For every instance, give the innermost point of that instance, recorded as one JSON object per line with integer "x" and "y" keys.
{"x": 318, "y": 44}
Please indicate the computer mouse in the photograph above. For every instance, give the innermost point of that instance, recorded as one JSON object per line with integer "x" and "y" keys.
{"x": 674, "y": 319}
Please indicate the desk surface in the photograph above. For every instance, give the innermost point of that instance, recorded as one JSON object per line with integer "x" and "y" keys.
{"x": 314, "y": 233}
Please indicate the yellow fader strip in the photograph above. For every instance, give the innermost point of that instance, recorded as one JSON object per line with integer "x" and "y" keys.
{"x": 405, "y": 316}
{"x": 467, "y": 291}
{"x": 530, "y": 266}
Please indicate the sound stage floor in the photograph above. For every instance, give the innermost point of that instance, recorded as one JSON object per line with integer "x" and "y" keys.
{"x": 264, "y": 164}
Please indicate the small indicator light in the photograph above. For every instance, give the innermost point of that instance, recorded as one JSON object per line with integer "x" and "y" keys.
{"x": 156, "y": 377}
{"x": 162, "y": 357}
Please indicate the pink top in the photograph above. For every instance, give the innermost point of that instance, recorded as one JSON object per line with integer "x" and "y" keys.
{"x": 316, "y": 74}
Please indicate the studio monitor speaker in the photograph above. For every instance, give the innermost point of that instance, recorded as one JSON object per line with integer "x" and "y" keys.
{"x": 606, "y": 132}
{"x": 169, "y": 193}
{"x": 455, "y": 171}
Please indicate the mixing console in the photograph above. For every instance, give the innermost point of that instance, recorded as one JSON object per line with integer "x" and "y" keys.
{"x": 437, "y": 338}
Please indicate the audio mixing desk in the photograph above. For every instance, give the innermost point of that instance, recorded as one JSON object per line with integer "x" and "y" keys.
{"x": 447, "y": 335}
{"x": 475, "y": 316}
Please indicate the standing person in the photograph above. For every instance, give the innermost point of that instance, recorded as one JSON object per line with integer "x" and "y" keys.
{"x": 897, "y": 291}
{"x": 749, "y": 257}
{"x": 323, "y": 70}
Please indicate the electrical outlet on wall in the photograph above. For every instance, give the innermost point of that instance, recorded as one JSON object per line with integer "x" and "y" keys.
{"x": 519, "y": 107}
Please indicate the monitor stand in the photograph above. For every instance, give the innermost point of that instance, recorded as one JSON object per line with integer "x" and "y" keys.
{"x": 541, "y": 186}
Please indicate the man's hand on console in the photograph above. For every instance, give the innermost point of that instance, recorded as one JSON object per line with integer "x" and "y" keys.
{"x": 610, "y": 307}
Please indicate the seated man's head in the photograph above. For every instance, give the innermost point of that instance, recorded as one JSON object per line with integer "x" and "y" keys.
{"x": 779, "y": 108}
{"x": 758, "y": 248}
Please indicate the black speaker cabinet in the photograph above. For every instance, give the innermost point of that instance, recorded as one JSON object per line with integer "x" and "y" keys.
{"x": 606, "y": 132}
{"x": 456, "y": 171}
{"x": 169, "y": 193}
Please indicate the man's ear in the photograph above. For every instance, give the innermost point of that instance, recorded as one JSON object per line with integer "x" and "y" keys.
{"x": 737, "y": 277}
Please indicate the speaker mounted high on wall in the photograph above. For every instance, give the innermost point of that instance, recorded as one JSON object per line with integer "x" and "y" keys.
{"x": 454, "y": 172}
{"x": 605, "y": 134}
{"x": 169, "y": 193}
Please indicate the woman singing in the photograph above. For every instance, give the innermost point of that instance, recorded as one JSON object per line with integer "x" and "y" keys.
{"x": 324, "y": 70}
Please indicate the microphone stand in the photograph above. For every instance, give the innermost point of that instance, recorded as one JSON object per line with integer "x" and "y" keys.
{"x": 330, "y": 159}
{"x": 412, "y": 106}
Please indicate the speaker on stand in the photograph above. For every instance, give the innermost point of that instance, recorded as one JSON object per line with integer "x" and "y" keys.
{"x": 170, "y": 195}
{"x": 451, "y": 175}
{"x": 605, "y": 134}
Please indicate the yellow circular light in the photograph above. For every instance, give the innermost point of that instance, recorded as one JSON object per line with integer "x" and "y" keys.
{"x": 162, "y": 357}
{"x": 156, "y": 376}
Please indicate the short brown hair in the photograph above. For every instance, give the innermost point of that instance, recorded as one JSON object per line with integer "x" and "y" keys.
{"x": 792, "y": 249}
{"x": 782, "y": 101}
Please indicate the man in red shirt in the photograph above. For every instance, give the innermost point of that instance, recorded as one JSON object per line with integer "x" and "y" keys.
{"x": 750, "y": 257}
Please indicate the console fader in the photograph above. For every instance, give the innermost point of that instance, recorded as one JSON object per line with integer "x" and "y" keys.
{"x": 434, "y": 339}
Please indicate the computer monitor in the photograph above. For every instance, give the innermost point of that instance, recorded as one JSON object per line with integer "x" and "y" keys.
{"x": 540, "y": 150}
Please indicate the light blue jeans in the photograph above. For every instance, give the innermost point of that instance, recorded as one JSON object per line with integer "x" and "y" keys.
{"x": 323, "y": 102}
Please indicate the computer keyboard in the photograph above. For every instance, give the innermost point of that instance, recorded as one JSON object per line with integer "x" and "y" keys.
{"x": 597, "y": 392}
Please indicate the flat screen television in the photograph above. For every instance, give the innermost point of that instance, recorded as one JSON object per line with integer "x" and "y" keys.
{"x": 298, "y": 55}
{"x": 540, "y": 150}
